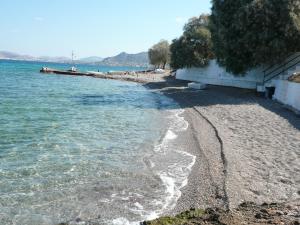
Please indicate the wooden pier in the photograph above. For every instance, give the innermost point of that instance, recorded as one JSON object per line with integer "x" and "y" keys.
{"x": 66, "y": 72}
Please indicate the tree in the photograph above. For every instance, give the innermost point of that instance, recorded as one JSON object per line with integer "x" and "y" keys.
{"x": 159, "y": 54}
{"x": 251, "y": 33}
{"x": 194, "y": 47}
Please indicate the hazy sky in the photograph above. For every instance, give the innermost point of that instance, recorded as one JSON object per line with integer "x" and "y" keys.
{"x": 92, "y": 27}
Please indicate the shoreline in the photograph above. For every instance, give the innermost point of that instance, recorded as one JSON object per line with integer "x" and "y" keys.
{"x": 142, "y": 78}
{"x": 205, "y": 187}
{"x": 177, "y": 172}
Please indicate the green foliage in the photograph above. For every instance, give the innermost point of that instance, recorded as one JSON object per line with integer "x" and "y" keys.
{"x": 180, "y": 219}
{"x": 251, "y": 33}
{"x": 194, "y": 47}
{"x": 159, "y": 54}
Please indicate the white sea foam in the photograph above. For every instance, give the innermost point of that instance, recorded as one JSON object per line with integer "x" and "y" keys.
{"x": 123, "y": 221}
{"x": 176, "y": 175}
{"x": 176, "y": 178}
{"x": 139, "y": 206}
{"x": 173, "y": 172}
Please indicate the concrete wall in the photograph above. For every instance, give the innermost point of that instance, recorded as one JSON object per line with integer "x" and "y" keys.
{"x": 288, "y": 93}
{"x": 214, "y": 74}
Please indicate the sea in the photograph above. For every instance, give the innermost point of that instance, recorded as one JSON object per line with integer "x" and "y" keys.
{"x": 82, "y": 150}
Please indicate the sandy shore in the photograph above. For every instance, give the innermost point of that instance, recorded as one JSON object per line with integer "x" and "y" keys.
{"x": 247, "y": 147}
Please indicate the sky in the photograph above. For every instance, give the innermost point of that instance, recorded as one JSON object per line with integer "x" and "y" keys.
{"x": 92, "y": 27}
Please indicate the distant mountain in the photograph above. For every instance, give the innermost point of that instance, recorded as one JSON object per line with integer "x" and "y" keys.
{"x": 15, "y": 56}
{"x": 92, "y": 59}
{"x": 125, "y": 59}
{"x": 122, "y": 59}
{"x": 54, "y": 59}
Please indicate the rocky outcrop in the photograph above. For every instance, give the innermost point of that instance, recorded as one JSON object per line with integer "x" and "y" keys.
{"x": 246, "y": 213}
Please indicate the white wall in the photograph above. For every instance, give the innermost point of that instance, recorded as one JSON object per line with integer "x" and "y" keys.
{"x": 288, "y": 93}
{"x": 214, "y": 74}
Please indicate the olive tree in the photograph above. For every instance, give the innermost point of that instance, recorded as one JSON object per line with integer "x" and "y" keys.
{"x": 159, "y": 54}
{"x": 194, "y": 47}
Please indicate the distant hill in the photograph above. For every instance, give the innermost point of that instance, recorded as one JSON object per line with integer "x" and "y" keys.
{"x": 125, "y": 59}
{"x": 54, "y": 59}
{"x": 91, "y": 59}
{"x": 15, "y": 56}
{"x": 122, "y": 59}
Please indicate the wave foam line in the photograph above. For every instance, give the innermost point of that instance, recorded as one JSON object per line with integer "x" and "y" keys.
{"x": 175, "y": 176}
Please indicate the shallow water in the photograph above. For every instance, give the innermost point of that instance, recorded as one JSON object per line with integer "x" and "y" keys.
{"x": 85, "y": 149}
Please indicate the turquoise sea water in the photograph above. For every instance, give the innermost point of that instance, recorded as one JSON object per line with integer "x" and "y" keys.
{"x": 75, "y": 149}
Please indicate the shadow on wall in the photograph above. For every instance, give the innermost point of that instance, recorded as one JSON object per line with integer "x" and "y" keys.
{"x": 216, "y": 75}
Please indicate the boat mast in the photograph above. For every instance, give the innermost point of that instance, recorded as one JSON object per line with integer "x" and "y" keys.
{"x": 73, "y": 55}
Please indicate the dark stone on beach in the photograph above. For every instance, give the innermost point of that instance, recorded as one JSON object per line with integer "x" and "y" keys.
{"x": 218, "y": 196}
{"x": 78, "y": 220}
{"x": 246, "y": 204}
{"x": 264, "y": 211}
{"x": 258, "y": 216}
{"x": 209, "y": 211}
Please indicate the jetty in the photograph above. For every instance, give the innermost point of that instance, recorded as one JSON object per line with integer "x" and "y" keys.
{"x": 143, "y": 76}
{"x": 106, "y": 75}
{"x": 66, "y": 72}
